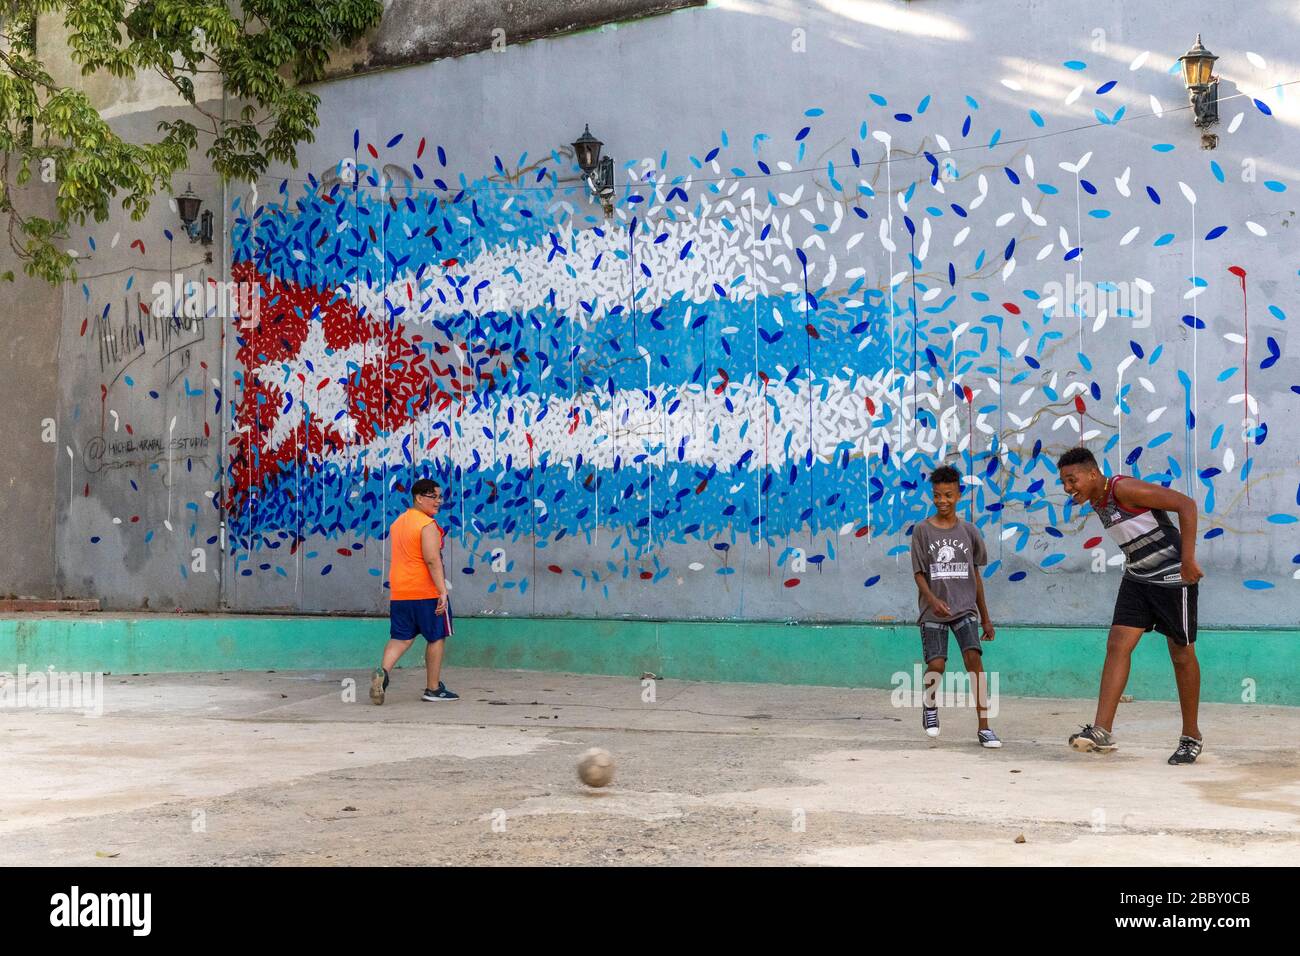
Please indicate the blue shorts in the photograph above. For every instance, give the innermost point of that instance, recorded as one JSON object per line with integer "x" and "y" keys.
{"x": 409, "y": 618}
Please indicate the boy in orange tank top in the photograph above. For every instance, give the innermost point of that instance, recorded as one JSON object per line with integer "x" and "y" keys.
{"x": 418, "y": 592}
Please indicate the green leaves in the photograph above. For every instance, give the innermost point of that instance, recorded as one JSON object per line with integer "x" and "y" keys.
{"x": 263, "y": 51}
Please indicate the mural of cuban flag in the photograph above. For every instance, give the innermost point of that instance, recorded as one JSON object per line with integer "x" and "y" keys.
{"x": 767, "y": 357}
{"x": 675, "y": 374}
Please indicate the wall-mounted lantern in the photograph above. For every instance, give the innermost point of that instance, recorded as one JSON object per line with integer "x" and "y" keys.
{"x": 1202, "y": 88}
{"x": 197, "y": 227}
{"x": 597, "y": 172}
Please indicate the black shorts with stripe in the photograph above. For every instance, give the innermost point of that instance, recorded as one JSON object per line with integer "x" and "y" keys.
{"x": 1170, "y": 611}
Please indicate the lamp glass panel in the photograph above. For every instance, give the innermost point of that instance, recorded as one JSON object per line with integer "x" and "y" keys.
{"x": 1197, "y": 70}
{"x": 188, "y": 206}
{"x": 587, "y": 150}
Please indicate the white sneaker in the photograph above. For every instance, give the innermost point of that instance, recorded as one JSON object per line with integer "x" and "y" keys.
{"x": 930, "y": 720}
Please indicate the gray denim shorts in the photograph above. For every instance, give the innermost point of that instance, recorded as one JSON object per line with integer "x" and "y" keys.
{"x": 934, "y": 637}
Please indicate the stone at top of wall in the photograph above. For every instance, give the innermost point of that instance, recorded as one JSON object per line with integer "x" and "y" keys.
{"x": 410, "y": 32}
{"x": 417, "y": 31}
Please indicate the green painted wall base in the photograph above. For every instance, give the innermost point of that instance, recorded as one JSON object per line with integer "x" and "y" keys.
{"x": 1261, "y": 666}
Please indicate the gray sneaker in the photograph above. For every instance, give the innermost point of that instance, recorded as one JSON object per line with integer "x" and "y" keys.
{"x": 1093, "y": 739}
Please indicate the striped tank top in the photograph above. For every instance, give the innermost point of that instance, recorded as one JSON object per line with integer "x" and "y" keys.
{"x": 1152, "y": 546}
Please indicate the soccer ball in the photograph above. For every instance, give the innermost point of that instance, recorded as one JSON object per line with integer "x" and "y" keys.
{"x": 596, "y": 768}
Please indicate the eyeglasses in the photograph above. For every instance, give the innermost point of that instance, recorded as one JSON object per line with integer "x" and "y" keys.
{"x": 435, "y": 496}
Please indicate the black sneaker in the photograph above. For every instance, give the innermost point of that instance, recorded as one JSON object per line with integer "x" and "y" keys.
{"x": 989, "y": 739}
{"x": 1189, "y": 748}
{"x": 930, "y": 720}
{"x": 440, "y": 694}
{"x": 378, "y": 684}
{"x": 1093, "y": 739}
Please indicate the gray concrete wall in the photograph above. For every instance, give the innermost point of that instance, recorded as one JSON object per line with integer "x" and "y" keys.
{"x": 113, "y": 96}
{"x": 138, "y": 389}
{"x": 746, "y": 79}
{"x": 30, "y": 311}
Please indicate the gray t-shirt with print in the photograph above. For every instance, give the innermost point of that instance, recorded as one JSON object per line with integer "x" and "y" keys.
{"x": 948, "y": 557}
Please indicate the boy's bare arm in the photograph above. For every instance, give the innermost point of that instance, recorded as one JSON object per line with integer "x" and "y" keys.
{"x": 431, "y": 551}
{"x": 986, "y": 621}
{"x": 1143, "y": 494}
{"x": 923, "y": 586}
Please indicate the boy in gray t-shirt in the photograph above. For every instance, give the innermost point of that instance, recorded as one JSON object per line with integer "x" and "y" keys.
{"x": 946, "y": 555}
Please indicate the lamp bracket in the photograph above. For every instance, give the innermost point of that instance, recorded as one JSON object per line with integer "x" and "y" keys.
{"x": 1205, "y": 104}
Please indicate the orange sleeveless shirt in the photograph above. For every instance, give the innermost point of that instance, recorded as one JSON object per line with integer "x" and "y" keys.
{"x": 408, "y": 575}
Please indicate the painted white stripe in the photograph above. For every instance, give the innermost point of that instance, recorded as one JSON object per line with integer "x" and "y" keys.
{"x": 717, "y": 255}
{"x": 629, "y": 424}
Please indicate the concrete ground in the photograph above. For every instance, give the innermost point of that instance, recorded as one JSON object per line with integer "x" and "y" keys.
{"x": 279, "y": 768}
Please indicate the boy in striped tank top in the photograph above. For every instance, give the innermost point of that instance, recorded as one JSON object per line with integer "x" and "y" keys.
{"x": 1158, "y": 590}
{"x": 418, "y": 592}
